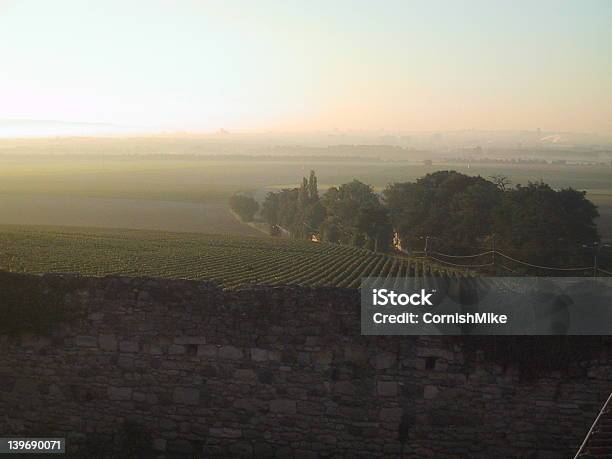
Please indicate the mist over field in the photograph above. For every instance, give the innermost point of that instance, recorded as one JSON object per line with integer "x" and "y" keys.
{"x": 183, "y": 183}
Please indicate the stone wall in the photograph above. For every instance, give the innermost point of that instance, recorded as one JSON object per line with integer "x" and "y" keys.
{"x": 276, "y": 372}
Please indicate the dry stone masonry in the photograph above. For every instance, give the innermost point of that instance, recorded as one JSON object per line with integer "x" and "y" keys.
{"x": 276, "y": 372}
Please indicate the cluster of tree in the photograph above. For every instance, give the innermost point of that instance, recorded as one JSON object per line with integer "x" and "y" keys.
{"x": 354, "y": 215}
{"x": 350, "y": 214}
{"x": 538, "y": 223}
{"x": 244, "y": 206}
{"x": 460, "y": 214}
{"x": 298, "y": 210}
{"x": 456, "y": 212}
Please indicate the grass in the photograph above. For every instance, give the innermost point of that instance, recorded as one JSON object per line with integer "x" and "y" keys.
{"x": 231, "y": 261}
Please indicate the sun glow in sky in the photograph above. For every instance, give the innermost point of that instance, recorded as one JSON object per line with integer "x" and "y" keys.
{"x": 309, "y": 65}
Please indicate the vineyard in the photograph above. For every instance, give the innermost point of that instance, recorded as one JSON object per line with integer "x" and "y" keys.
{"x": 231, "y": 261}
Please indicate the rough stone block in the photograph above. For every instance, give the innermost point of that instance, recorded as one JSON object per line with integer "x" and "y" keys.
{"x": 231, "y": 353}
{"x": 128, "y": 346}
{"x": 119, "y": 393}
{"x": 430, "y": 391}
{"x": 344, "y": 387}
{"x": 166, "y": 424}
{"x": 262, "y": 449}
{"x": 224, "y": 432}
{"x": 322, "y": 357}
{"x": 384, "y": 360}
{"x": 35, "y": 341}
{"x": 310, "y": 408}
{"x": 241, "y": 449}
{"x": 96, "y": 316}
{"x": 301, "y": 454}
{"x": 435, "y": 352}
{"x": 180, "y": 446}
{"x": 259, "y": 355}
{"x": 86, "y": 341}
{"x": 55, "y": 391}
{"x": 393, "y": 448}
{"x": 390, "y": 414}
{"x": 387, "y": 388}
{"x": 107, "y": 342}
{"x": 207, "y": 351}
{"x": 190, "y": 340}
{"x": 283, "y": 406}
{"x": 356, "y": 353}
{"x": 155, "y": 350}
{"x": 186, "y": 396}
{"x": 245, "y": 374}
{"x": 125, "y": 362}
{"x": 159, "y": 444}
{"x": 26, "y": 386}
{"x": 246, "y": 404}
{"x": 176, "y": 349}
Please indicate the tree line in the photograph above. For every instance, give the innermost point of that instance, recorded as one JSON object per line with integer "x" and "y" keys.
{"x": 455, "y": 212}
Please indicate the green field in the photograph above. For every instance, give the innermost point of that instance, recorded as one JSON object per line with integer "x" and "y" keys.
{"x": 231, "y": 261}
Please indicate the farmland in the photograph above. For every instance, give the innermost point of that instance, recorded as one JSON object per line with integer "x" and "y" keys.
{"x": 201, "y": 217}
{"x": 53, "y": 185}
{"x": 231, "y": 261}
{"x": 133, "y": 182}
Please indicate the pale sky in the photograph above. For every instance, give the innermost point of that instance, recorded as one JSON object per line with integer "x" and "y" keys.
{"x": 309, "y": 65}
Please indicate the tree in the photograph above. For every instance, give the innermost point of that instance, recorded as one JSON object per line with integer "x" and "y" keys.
{"x": 355, "y": 216}
{"x": 270, "y": 208}
{"x": 245, "y": 206}
{"x": 501, "y": 181}
{"x": 330, "y": 231}
{"x": 374, "y": 224}
{"x": 542, "y": 225}
{"x": 299, "y": 210}
{"x": 580, "y": 214}
{"x": 454, "y": 208}
{"x": 313, "y": 187}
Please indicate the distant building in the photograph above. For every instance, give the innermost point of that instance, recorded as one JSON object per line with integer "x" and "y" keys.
{"x": 427, "y": 162}
{"x": 315, "y": 238}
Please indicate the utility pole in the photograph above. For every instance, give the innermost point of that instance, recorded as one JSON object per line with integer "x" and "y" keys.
{"x": 596, "y": 251}
{"x": 493, "y": 249}
{"x": 426, "y": 244}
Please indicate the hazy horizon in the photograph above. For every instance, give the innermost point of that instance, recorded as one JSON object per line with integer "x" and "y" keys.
{"x": 296, "y": 67}
{"x": 16, "y": 129}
